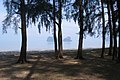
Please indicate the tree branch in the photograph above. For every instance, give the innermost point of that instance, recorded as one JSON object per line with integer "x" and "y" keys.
{"x": 52, "y": 17}
{"x": 15, "y": 2}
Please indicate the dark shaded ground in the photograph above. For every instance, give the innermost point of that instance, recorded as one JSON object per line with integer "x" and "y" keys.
{"x": 44, "y": 66}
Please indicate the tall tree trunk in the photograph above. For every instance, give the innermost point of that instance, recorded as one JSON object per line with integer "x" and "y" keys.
{"x": 22, "y": 58}
{"x": 103, "y": 31}
{"x": 114, "y": 31}
{"x": 118, "y": 4}
{"x": 80, "y": 45}
{"x": 55, "y": 38}
{"x": 60, "y": 53}
{"x": 110, "y": 28}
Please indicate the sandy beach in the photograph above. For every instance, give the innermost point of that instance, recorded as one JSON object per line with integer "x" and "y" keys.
{"x": 44, "y": 66}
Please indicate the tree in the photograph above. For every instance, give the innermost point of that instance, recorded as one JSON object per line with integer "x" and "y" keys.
{"x": 114, "y": 30}
{"x": 45, "y": 13}
{"x": 22, "y": 58}
{"x": 103, "y": 30}
{"x": 54, "y": 24}
{"x": 80, "y": 22}
{"x": 90, "y": 21}
{"x": 59, "y": 16}
{"x": 17, "y": 9}
{"x": 60, "y": 46}
{"x": 118, "y": 5}
{"x": 110, "y": 28}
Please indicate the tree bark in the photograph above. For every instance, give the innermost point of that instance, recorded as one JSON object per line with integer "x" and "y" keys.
{"x": 114, "y": 31}
{"x": 110, "y": 28}
{"x": 80, "y": 45}
{"x": 103, "y": 31}
{"x": 22, "y": 58}
{"x": 54, "y": 20}
{"x": 118, "y": 4}
{"x": 60, "y": 46}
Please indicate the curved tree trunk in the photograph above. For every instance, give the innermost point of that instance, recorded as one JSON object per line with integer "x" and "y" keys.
{"x": 22, "y": 58}
{"x": 103, "y": 31}
{"x": 80, "y": 45}
{"x": 110, "y": 28}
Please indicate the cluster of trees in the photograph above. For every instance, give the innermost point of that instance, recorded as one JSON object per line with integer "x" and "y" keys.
{"x": 94, "y": 17}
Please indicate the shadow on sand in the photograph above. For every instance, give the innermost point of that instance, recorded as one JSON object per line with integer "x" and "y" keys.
{"x": 43, "y": 66}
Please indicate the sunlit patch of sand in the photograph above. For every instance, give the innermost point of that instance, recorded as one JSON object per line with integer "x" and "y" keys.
{"x": 3, "y": 69}
{"x": 22, "y": 66}
{"x": 4, "y": 78}
{"x": 35, "y": 75}
{"x": 21, "y": 73}
{"x": 71, "y": 62}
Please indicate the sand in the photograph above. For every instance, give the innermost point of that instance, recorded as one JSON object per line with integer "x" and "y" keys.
{"x": 44, "y": 66}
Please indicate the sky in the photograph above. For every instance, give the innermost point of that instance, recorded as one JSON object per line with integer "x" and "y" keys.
{"x": 38, "y": 41}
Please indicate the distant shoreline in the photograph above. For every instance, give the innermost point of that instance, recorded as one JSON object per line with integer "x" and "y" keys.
{"x": 36, "y": 51}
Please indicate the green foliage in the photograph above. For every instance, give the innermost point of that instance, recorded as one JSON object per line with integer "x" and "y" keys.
{"x": 12, "y": 17}
{"x": 91, "y": 15}
{"x": 40, "y": 12}
{"x": 36, "y": 12}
